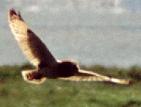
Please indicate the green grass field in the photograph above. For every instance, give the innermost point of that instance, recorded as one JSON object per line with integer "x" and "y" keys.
{"x": 14, "y": 92}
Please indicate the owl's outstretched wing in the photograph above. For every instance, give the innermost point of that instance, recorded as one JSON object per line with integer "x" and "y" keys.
{"x": 34, "y": 49}
{"x": 84, "y": 75}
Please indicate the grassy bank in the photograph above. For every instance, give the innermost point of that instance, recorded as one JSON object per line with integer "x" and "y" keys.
{"x": 14, "y": 92}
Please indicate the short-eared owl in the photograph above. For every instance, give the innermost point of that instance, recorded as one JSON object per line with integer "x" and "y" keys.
{"x": 46, "y": 66}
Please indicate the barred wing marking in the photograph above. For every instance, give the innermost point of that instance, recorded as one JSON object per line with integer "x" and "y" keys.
{"x": 33, "y": 48}
{"x": 84, "y": 75}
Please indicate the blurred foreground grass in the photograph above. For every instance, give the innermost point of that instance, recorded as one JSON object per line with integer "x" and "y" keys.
{"x": 14, "y": 92}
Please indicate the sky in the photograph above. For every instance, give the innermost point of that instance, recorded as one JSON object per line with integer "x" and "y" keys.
{"x": 102, "y": 26}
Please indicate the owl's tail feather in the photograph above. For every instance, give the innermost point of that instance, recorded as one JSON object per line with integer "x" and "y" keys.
{"x": 84, "y": 75}
{"x": 27, "y": 73}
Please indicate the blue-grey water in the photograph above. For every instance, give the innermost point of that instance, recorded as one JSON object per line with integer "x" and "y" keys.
{"x": 106, "y": 32}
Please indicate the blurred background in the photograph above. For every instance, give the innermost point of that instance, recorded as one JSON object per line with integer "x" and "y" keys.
{"x": 105, "y": 32}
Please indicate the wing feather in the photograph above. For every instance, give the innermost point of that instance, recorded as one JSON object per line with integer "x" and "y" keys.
{"x": 33, "y": 48}
{"x": 84, "y": 75}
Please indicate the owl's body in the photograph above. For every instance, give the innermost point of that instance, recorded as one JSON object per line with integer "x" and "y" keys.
{"x": 46, "y": 66}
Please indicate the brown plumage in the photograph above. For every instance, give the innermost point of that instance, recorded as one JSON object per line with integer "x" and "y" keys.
{"x": 46, "y": 65}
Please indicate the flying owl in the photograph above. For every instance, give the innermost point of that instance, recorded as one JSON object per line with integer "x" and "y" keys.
{"x": 46, "y": 66}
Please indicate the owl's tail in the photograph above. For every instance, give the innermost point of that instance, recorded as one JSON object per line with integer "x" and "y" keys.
{"x": 84, "y": 75}
{"x": 27, "y": 73}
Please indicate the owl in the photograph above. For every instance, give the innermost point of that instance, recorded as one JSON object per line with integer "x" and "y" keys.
{"x": 46, "y": 65}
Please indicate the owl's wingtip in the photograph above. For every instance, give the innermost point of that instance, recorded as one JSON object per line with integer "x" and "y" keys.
{"x": 12, "y": 12}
